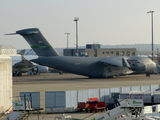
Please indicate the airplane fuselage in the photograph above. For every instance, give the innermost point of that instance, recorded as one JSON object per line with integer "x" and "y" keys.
{"x": 93, "y": 66}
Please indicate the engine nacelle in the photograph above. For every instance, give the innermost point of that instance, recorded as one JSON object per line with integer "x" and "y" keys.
{"x": 40, "y": 69}
{"x": 138, "y": 67}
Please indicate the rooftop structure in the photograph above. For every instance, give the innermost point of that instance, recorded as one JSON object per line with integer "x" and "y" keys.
{"x": 7, "y": 50}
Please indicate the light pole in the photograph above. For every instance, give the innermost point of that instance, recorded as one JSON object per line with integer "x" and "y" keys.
{"x": 152, "y": 30}
{"x": 67, "y": 39}
{"x": 76, "y": 19}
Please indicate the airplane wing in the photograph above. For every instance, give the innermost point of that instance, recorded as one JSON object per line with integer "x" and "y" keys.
{"x": 21, "y": 67}
{"x": 106, "y": 64}
{"x": 26, "y": 66}
{"x": 122, "y": 62}
{"x": 23, "y": 63}
{"x": 116, "y": 66}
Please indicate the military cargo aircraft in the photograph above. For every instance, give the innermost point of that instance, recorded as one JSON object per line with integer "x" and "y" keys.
{"x": 93, "y": 67}
{"x": 22, "y": 64}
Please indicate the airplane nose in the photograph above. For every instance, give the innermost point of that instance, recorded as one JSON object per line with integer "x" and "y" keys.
{"x": 151, "y": 66}
{"x": 154, "y": 65}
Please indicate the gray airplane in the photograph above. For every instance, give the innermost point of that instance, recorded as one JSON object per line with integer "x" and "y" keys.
{"x": 24, "y": 66}
{"x": 93, "y": 67}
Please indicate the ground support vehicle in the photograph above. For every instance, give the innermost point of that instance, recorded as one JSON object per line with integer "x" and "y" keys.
{"x": 92, "y": 106}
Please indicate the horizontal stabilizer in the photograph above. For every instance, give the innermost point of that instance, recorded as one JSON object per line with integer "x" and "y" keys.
{"x": 11, "y": 34}
{"x": 28, "y": 31}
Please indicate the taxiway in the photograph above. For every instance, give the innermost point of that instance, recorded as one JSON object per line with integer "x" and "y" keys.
{"x": 64, "y": 82}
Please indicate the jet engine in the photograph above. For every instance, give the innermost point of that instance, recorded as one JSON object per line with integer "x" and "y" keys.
{"x": 138, "y": 67}
{"x": 40, "y": 69}
{"x": 18, "y": 71}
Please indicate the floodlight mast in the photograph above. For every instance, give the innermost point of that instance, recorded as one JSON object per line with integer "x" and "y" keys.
{"x": 67, "y": 39}
{"x": 76, "y": 20}
{"x": 152, "y": 31}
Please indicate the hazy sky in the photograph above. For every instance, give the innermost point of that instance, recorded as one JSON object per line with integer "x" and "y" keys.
{"x": 108, "y": 22}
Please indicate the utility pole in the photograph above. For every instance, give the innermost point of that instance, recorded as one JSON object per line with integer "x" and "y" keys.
{"x": 67, "y": 39}
{"x": 76, "y": 20}
{"x": 152, "y": 31}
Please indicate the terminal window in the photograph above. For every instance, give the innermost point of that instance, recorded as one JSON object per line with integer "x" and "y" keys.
{"x": 111, "y": 52}
{"x": 133, "y": 53}
{"x": 128, "y": 53}
{"x": 84, "y": 54}
{"x": 122, "y": 53}
{"x": 117, "y": 53}
{"x": 107, "y": 52}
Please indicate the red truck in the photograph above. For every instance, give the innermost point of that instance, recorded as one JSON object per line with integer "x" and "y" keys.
{"x": 91, "y": 106}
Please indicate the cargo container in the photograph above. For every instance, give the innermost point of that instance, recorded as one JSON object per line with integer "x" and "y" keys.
{"x": 156, "y": 108}
{"x": 137, "y": 95}
{"x": 146, "y": 109}
{"x": 156, "y": 98}
{"x": 124, "y": 95}
{"x": 115, "y": 95}
{"x": 147, "y": 98}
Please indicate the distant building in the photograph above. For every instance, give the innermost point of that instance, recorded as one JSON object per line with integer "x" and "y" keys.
{"x": 93, "y": 46}
{"x": 7, "y": 50}
{"x": 94, "y": 50}
{"x": 91, "y": 50}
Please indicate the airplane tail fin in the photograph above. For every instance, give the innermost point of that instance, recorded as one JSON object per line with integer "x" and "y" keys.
{"x": 38, "y": 42}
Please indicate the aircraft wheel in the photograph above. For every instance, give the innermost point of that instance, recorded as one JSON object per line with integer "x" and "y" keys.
{"x": 35, "y": 73}
{"x": 110, "y": 76}
{"x": 19, "y": 74}
{"x": 86, "y": 110}
{"x": 14, "y": 74}
{"x": 60, "y": 72}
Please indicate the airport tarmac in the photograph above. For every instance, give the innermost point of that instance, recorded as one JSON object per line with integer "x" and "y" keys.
{"x": 56, "y": 82}
{"x": 64, "y": 82}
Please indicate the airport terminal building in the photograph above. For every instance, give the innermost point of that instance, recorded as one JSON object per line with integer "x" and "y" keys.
{"x": 95, "y": 50}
